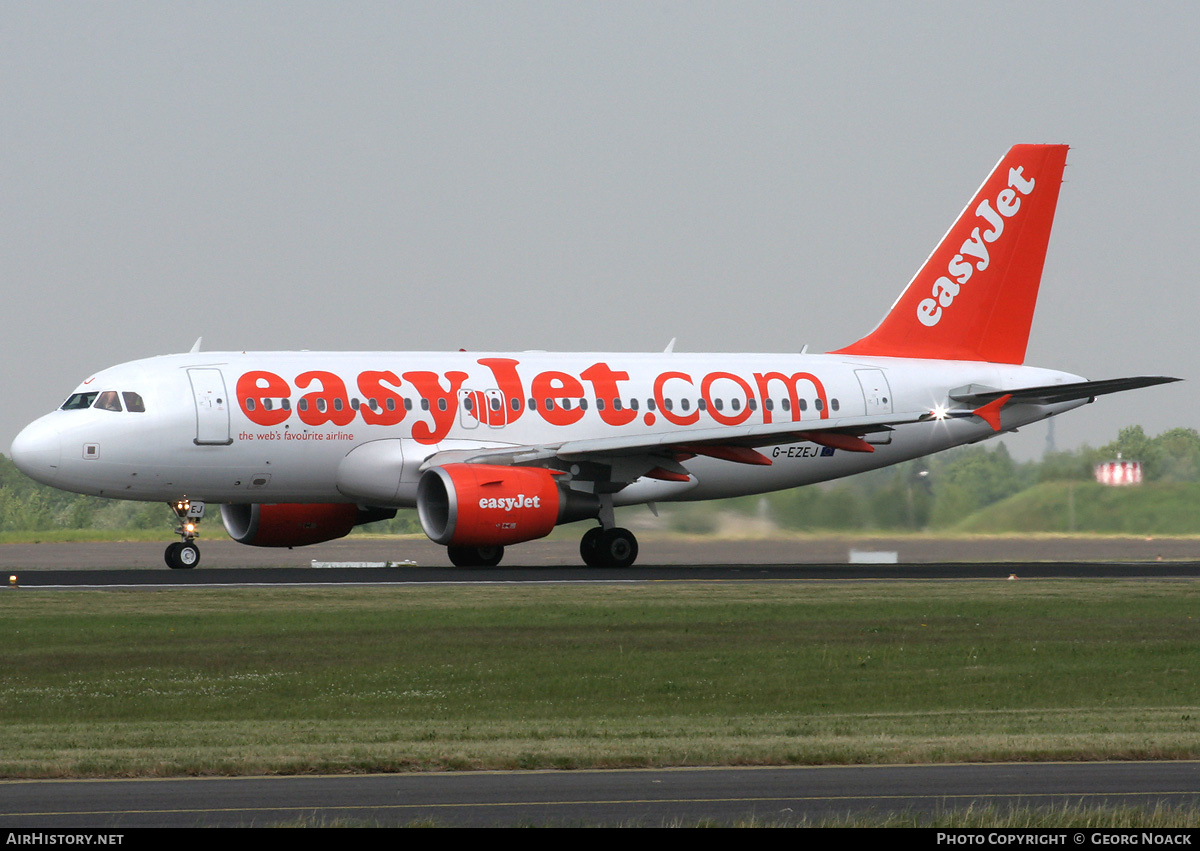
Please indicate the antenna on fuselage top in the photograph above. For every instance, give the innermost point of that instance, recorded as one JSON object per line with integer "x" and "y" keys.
{"x": 670, "y": 347}
{"x": 196, "y": 345}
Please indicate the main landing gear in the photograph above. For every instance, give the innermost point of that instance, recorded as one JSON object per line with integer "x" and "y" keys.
{"x": 599, "y": 547}
{"x": 475, "y": 556}
{"x": 184, "y": 554}
{"x": 615, "y": 547}
{"x": 608, "y": 545}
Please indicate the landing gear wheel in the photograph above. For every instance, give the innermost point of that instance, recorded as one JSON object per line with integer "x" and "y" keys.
{"x": 589, "y": 547}
{"x": 608, "y": 547}
{"x": 182, "y": 555}
{"x": 189, "y": 555}
{"x": 618, "y": 547}
{"x": 489, "y": 556}
{"x": 475, "y": 556}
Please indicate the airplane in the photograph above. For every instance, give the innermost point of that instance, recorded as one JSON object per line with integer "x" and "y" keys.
{"x": 495, "y": 449}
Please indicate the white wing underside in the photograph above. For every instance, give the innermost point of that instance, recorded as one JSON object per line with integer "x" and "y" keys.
{"x": 606, "y": 450}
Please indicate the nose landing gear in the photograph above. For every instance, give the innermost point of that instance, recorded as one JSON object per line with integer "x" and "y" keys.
{"x": 184, "y": 554}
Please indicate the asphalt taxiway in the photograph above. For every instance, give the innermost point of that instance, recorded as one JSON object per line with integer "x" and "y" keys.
{"x": 642, "y": 797}
{"x": 419, "y": 560}
{"x": 282, "y": 576}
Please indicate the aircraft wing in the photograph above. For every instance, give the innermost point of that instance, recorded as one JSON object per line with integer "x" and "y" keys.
{"x": 731, "y": 443}
{"x": 744, "y": 436}
{"x": 662, "y": 453}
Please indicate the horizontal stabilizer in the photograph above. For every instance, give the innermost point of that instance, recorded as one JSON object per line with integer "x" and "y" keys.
{"x": 1055, "y": 393}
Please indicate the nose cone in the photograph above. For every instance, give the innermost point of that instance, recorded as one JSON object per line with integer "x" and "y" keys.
{"x": 37, "y": 451}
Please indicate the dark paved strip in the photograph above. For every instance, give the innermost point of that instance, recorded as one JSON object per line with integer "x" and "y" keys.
{"x": 638, "y": 573}
{"x": 219, "y": 552}
{"x": 639, "y": 797}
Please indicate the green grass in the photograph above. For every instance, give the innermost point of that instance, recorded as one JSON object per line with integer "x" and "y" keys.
{"x": 380, "y": 679}
{"x": 996, "y": 818}
{"x": 1159, "y": 508}
{"x": 990, "y": 817}
{"x": 58, "y": 536}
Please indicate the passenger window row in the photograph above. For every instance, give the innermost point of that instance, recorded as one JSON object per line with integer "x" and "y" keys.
{"x": 684, "y": 404}
{"x": 549, "y": 404}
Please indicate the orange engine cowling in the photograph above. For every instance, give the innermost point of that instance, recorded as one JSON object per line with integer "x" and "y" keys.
{"x": 489, "y": 505}
{"x": 294, "y": 525}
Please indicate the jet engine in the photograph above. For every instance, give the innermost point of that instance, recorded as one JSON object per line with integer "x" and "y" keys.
{"x": 484, "y": 505}
{"x": 295, "y": 525}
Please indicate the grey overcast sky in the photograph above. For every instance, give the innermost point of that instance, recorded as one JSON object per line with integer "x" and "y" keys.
{"x": 590, "y": 176}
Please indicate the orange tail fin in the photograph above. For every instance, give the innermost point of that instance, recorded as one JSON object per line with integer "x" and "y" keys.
{"x": 973, "y": 298}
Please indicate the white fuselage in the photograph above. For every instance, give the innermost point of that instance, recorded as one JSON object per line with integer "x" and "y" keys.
{"x": 278, "y": 427}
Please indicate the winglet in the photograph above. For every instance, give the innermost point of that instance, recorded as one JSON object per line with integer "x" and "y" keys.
{"x": 973, "y": 298}
{"x": 990, "y": 413}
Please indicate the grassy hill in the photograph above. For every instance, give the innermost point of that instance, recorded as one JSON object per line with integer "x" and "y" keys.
{"x": 1159, "y": 508}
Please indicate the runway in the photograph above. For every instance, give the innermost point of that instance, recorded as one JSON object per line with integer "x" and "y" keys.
{"x": 252, "y": 576}
{"x": 651, "y": 798}
{"x": 225, "y": 562}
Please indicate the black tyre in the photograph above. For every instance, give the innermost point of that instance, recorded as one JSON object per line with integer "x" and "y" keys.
{"x": 589, "y": 547}
{"x": 182, "y": 555}
{"x": 475, "y": 556}
{"x": 189, "y": 555}
{"x": 489, "y": 556}
{"x": 618, "y": 547}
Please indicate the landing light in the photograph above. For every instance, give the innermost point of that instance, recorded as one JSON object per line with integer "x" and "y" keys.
{"x": 939, "y": 412}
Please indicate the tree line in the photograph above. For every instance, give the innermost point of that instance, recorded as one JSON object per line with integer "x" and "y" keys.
{"x": 935, "y": 492}
{"x": 939, "y": 491}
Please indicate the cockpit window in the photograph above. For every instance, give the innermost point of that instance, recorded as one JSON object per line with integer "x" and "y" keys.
{"x": 79, "y": 401}
{"x": 108, "y": 401}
